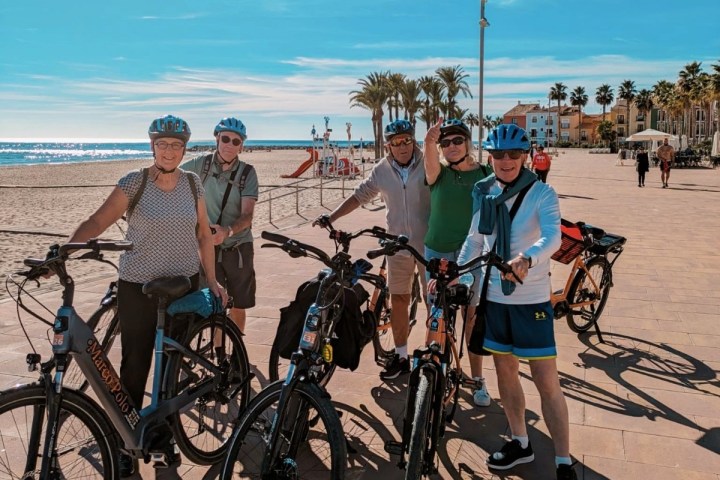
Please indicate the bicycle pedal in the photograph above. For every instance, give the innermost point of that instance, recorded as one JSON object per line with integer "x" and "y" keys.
{"x": 159, "y": 460}
{"x": 469, "y": 382}
{"x": 394, "y": 448}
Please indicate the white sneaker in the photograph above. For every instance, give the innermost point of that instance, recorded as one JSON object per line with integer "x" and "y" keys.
{"x": 481, "y": 397}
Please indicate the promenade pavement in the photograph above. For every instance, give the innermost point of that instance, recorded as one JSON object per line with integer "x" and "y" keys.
{"x": 645, "y": 404}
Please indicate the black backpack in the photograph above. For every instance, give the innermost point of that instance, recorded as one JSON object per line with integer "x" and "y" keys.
{"x": 353, "y": 331}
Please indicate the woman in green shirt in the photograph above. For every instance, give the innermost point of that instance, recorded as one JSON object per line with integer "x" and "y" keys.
{"x": 451, "y": 171}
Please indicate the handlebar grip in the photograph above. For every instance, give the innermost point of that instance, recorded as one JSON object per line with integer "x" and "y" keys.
{"x": 116, "y": 246}
{"x": 274, "y": 237}
{"x": 33, "y": 262}
{"x": 373, "y": 254}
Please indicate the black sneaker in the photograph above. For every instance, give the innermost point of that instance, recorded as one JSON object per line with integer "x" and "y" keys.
{"x": 566, "y": 472}
{"x": 395, "y": 367}
{"x": 510, "y": 454}
{"x": 127, "y": 465}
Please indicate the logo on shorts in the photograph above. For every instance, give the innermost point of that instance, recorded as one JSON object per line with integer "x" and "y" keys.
{"x": 540, "y": 315}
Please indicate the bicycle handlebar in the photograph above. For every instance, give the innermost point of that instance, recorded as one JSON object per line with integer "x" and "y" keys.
{"x": 293, "y": 247}
{"x": 59, "y": 254}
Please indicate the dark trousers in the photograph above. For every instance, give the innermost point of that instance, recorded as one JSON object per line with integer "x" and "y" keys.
{"x": 138, "y": 321}
{"x": 542, "y": 175}
{"x": 641, "y": 178}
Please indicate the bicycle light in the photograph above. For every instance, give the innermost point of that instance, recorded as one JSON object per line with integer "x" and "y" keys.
{"x": 327, "y": 351}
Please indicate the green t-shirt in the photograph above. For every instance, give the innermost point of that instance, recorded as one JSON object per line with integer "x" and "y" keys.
{"x": 451, "y": 207}
{"x": 215, "y": 185}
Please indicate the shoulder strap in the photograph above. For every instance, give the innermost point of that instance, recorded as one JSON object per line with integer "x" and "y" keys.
{"x": 193, "y": 188}
{"x": 136, "y": 198}
{"x": 518, "y": 200}
{"x": 227, "y": 192}
{"x": 207, "y": 163}
{"x": 243, "y": 176}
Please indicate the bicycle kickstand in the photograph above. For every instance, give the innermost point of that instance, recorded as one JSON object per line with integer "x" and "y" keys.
{"x": 599, "y": 333}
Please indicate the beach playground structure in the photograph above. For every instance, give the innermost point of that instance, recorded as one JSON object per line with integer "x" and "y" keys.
{"x": 329, "y": 164}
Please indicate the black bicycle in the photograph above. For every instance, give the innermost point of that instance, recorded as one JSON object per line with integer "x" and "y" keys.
{"x": 379, "y": 302}
{"x": 52, "y": 432}
{"x": 433, "y": 387}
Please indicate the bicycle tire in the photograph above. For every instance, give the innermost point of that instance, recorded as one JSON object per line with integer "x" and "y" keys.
{"x": 418, "y": 446}
{"x": 105, "y": 325}
{"x": 383, "y": 340}
{"x": 582, "y": 319}
{"x": 85, "y": 438}
{"x": 321, "y": 436}
{"x": 203, "y": 429}
{"x": 278, "y": 367}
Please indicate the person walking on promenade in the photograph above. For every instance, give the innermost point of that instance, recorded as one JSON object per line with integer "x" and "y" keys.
{"x": 231, "y": 190}
{"x": 451, "y": 172}
{"x": 666, "y": 155}
{"x": 621, "y": 157}
{"x": 169, "y": 228}
{"x": 520, "y": 316}
{"x": 642, "y": 165}
{"x": 399, "y": 178}
{"x": 541, "y": 163}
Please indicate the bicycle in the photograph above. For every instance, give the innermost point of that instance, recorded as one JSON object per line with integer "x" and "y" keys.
{"x": 379, "y": 304}
{"x": 54, "y": 432}
{"x": 291, "y": 429}
{"x": 436, "y": 371}
{"x": 586, "y": 290}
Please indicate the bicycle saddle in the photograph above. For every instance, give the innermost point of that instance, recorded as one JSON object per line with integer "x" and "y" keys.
{"x": 168, "y": 287}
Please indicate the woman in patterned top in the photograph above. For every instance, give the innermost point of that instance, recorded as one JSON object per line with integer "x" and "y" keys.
{"x": 169, "y": 228}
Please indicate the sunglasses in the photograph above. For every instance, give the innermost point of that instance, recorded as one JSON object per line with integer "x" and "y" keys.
{"x": 401, "y": 141}
{"x": 235, "y": 141}
{"x": 445, "y": 142}
{"x": 166, "y": 145}
{"x": 500, "y": 154}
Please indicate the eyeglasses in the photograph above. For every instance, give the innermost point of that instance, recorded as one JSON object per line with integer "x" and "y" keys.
{"x": 165, "y": 145}
{"x": 445, "y": 142}
{"x": 235, "y": 141}
{"x": 401, "y": 141}
{"x": 500, "y": 154}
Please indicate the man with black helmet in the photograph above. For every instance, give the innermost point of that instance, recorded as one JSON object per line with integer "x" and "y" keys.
{"x": 399, "y": 178}
{"x": 231, "y": 190}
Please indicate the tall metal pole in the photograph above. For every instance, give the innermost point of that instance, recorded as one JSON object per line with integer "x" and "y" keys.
{"x": 483, "y": 23}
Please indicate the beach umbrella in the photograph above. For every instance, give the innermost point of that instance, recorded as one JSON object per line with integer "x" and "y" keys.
{"x": 650, "y": 134}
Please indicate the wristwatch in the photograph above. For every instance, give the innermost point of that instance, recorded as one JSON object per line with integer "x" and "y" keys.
{"x": 230, "y": 231}
{"x": 526, "y": 257}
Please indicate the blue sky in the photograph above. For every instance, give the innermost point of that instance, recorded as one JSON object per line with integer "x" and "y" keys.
{"x": 89, "y": 69}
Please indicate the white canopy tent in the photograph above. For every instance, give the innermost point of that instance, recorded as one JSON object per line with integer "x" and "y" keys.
{"x": 654, "y": 136}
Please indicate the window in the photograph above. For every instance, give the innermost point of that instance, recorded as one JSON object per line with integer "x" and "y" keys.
{"x": 565, "y": 136}
{"x": 621, "y": 131}
{"x": 700, "y": 115}
{"x": 621, "y": 119}
{"x": 514, "y": 121}
{"x": 549, "y": 132}
{"x": 564, "y": 123}
{"x": 533, "y": 132}
{"x": 533, "y": 119}
{"x": 640, "y": 127}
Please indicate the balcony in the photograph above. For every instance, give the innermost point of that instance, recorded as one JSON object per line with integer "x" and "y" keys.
{"x": 621, "y": 121}
{"x": 640, "y": 118}
{"x": 548, "y": 122}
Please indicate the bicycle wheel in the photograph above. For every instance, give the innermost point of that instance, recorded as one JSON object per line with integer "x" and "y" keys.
{"x": 581, "y": 317}
{"x": 105, "y": 325}
{"x": 311, "y": 440}
{"x": 86, "y": 441}
{"x": 418, "y": 445}
{"x": 203, "y": 428}
{"x": 415, "y": 299}
{"x": 278, "y": 367}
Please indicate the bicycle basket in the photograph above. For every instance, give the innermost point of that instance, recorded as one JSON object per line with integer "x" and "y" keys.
{"x": 572, "y": 245}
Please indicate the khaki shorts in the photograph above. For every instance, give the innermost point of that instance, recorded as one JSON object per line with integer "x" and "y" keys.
{"x": 400, "y": 274}
{"x": 235, "y": 270}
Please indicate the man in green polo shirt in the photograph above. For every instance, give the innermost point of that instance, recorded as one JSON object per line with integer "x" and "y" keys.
{"x": 231, "y": 190}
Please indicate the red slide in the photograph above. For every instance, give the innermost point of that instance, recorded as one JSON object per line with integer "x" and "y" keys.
{"x": 303, "y": 166}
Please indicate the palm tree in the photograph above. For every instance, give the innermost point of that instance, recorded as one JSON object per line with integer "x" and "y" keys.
{"x": 662, "y": 93}
{"x": 472, "y": 120}
{"x": 453, "y": 80}
{"x": 558, "y": 92}
{"x": 410, "y": 93}
{"x": 395, "y": 83}
{"x": 687, "y": 85}
{"x": 578, "y": 98}
{"x": 433, "y": 88}
{"x": 604, "y": 96}
{"x": 715, "y": 91}
{"x": 644, "y": 103}
{"x": 497, "y": 121}
{"x": 372, "y": 96}
{"x": 627, "y": 92}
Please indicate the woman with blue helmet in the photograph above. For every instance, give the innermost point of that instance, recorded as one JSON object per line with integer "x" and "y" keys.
{"x": 451, "y": 171}
{"x": 169, "y": 229}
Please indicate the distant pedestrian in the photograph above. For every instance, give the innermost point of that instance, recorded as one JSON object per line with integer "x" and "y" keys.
{"x": 541, "y": 164}
{"x": 666, "y": 154}
{"x": 642, "y": 165}
{"x": 621, "y": 157}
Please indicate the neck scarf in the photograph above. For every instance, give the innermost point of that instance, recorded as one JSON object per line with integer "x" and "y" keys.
{"x": 493, "y": 211}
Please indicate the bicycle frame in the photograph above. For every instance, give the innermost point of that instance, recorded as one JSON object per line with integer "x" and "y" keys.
{"x": 561, "y": 295}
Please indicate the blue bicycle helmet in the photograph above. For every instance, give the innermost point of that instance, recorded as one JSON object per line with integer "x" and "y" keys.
{"x": 398, "y": 127}
{"x": 507, "y": 137}
{"x": 169, "y": 126}
{"x": 231, "y": 124}
{"x": 454, "y": 126}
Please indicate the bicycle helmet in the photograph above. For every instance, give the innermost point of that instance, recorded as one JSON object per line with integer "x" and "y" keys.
{"x": 398, "y": 127}
{"x": 507, "y": 137}
{"x": 454, "y": 126}
{"x": 169, "y": 126}
{"x": 231, "y": 124}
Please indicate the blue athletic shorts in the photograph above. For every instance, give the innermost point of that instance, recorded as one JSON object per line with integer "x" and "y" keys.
{"x": 525, "y": 331}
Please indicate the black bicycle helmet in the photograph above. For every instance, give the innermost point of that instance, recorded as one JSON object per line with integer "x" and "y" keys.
{"x": 169, "y": 126}
{"x": 454, "y": 126}
{"x": 398, "y": 127}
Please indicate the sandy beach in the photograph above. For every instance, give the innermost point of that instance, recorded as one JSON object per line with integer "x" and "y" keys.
{"x": 42, "y": 204}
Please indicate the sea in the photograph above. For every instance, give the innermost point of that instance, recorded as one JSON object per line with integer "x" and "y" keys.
{"x": 33, "y": 153}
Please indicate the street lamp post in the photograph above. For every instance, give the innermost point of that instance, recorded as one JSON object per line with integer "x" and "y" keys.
{"x": 483, "y": 24}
